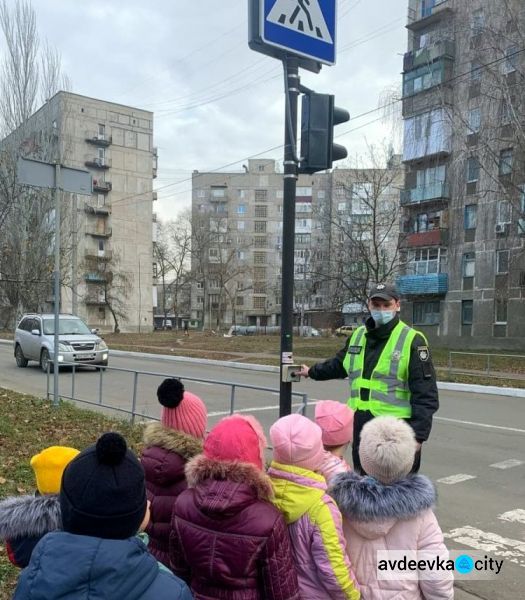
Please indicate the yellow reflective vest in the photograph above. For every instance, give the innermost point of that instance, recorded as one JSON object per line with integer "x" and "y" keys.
{"x": 389, "y": 394}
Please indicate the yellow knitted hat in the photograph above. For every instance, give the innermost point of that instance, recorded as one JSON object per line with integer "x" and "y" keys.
{"x": 49, "y": 466}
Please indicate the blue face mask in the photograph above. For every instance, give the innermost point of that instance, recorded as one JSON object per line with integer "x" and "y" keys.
{"x": 382, "y": 317}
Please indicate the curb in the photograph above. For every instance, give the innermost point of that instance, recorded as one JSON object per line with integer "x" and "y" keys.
{"x": 442, "y": 385}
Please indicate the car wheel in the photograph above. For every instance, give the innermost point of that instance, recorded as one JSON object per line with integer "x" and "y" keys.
{"x": 45, "y": 361}
{"x": 21, "y": 360}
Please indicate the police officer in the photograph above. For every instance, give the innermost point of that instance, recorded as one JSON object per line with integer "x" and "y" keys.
{"x": 389, "y": 368}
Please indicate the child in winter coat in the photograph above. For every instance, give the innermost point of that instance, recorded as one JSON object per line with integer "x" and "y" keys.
{"x": 168, "y": 446}
{"x": 227, "y": 538}
{"x": 26, "y": 519}
{"x": 97, "y": 555}
{"x": 336, "y": 421}
{"x": 388, "y": 509}
{"x": 313, "y": 519}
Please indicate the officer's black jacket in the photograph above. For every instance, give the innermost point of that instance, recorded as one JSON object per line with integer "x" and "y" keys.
{"x": 421, "y": 381}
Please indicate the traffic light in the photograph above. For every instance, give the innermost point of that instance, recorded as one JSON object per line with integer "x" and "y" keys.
{"x": 319, "y": 116}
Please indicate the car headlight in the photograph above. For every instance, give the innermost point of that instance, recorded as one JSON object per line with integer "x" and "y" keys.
{"x": 102, "y": 345}
{"x": 64, "y": 347}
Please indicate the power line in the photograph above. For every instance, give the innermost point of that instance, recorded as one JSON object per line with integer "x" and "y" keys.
{"x": 359, "y": 116}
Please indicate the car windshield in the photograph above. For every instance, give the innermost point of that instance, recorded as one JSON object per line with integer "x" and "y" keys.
{"x": 66, "y": 327}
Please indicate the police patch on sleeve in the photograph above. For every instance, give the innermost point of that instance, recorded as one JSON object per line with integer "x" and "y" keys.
{"x": 423, "y": 353}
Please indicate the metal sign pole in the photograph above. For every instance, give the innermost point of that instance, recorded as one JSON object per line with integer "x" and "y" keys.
{"x": 56, "y": 282}
{"x": 291, "y": 81}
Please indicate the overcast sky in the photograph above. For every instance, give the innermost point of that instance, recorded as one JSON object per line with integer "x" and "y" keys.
{"x": 216, "y": 101}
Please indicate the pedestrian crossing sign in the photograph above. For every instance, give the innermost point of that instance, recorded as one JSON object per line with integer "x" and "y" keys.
{"x": 305, "y": 28}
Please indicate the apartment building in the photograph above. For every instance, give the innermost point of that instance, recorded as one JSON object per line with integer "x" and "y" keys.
{"x": 108, "y": 236}
{"x": 462, "y": 231}
{"x": 238, "y": 233}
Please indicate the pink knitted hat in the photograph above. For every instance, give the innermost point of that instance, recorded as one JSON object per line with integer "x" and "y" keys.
{"x": 297, "y": 441}
{"x": 182, "y": 410}
{"x": 336, "y": 421}
{"x": 239, "y": 438}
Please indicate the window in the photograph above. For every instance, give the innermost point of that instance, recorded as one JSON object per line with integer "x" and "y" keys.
{"x": 259, "y": 258}
{"x": 213, "y": 284}
{"x": 321, "y": 194}
{"x": 101, "y": 200}
{"x": 239, "y": 301}
{"x": 502, "y": 261}
{"x": 478, "y": 21}
{"x": 475, "y": 71}
{"x": 101, "y": 131}
{"x": 340, "y": 191}
{"x": 261, "y": 195}
{"x": 472, "y": 169}
{"x": 503, "y": 212}
{"x": 260, "y": 168}
{"x": 421, "y": 222}
{"x": 426, "y": 313}
{"x": 426, "y": 260}
{"x": 241, "y": 209}
{"x": 303, "y": 207}
{"x": 241, "y": 194}
{"x": 467, "y": 310}
{"x": 201, "y": 194}
{"x": 505, "y": 113}
{"x": 341, "y": 207}
{"x": 261, "y": 212}
{"x": 303, "y": 238}
{"x": 259, "y": 273}
{"x": 259, "y": 287}
{"x": 279, "y": 209}
{"x": 511, "y": 59}
{"x": 259, "y": 302}
{"x": 500, "y": 311}
{"x": 470, "y": 216}
{"x": 505, "y": 161}
{"x": 303, "y": 192}
{"x": 218, "y": 192}
{"x": 474, "y": 120}
{"x": 260, "y": 242}
{"x": 200, "y": 299}
{"x": 279, "y": 194}
{"x": 241, "y": 255}
{"x": 240, "y": 225}
{"x": 200, "y": 285}
{"x": 469, "y": 264}
{"x": 259, "y": 226}
{"x": 213, "y": 253}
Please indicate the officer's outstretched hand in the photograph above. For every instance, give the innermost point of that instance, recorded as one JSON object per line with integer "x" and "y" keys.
{"x": 303, "y": 371}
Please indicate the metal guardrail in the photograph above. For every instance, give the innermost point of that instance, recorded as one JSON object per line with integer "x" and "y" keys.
{"x": 489, "y": 363}
{"x": 132, "y": 411}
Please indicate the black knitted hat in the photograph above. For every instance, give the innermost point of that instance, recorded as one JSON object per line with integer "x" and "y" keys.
{"x": 170, "y": 392}
{"x": 103, "y": 491}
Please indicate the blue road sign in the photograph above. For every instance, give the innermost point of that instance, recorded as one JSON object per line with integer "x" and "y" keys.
{"x": 302, "y": 27}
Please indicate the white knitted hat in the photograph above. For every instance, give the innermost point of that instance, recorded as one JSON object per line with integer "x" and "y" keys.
{"x": 387, "y": 449}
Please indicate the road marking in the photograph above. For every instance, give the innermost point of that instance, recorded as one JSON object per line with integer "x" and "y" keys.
{"x": 480, "y": 424}
{"x": 514, "y": 516}
{"x": 512, "y": 550}
{"x": 452, "y": 479}
{"x": 508, "y": 464}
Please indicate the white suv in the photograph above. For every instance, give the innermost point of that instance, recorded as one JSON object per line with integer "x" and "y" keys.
{"x": 34, "y": 340}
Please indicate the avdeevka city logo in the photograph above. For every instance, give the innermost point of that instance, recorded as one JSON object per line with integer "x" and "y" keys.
{"x": 464, "y": 564}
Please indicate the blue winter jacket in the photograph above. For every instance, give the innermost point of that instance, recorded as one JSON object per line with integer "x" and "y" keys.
{"x": 77, "y": 567}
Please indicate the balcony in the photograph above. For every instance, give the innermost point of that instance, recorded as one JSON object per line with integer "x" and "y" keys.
{"x": 97, "y": 162}
{"x": 434, "y": 284}
{"x": 423, "y": 13}
{"x": 102, "y": 186}
{"x": 97, "y": 209}
{"x": 102, "y": 140}
{"x": 428, "y": 54}
{"x": 434, "y": 237}
{"x": 427, "y": 193}
{"x": 95, "y": 299}
{"x": 98, "y": 277}
{"x": 96, "y": 255}
{"x": 103, "y": 232}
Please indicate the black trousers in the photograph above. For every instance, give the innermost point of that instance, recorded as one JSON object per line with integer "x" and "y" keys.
{"x": 360, "y": 418}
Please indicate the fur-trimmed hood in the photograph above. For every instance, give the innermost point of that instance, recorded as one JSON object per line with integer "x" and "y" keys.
{"x": 245, "y": 483}
{"x": 374, "y": 508}
{"x": 29, "y": 516}
{"x": 156, "y": 434}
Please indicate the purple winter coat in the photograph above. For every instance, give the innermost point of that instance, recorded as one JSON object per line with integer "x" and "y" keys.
{"x": 164, "y": 459}
{"x": 227, "y": 540}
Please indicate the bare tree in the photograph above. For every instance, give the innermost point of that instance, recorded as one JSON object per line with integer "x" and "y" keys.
{"x": 363, "y": 226}
{"x": 108, "y": 285}
{"x": 179, "y": 239}
{"x": 29, "y": 72}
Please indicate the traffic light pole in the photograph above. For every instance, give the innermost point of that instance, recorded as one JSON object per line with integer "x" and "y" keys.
{"x": 292, "y": 84}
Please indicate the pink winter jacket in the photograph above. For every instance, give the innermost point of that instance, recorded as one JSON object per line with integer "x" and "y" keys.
{"x": 390, "y": 517}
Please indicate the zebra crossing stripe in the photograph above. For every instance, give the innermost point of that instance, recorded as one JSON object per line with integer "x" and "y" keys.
{"x": 452, "y": 479}
{"x": 508, "y": 464}
{"x": 513, "y": 516}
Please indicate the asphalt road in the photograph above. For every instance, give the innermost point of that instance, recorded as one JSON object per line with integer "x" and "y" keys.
{"x": 476, "y": 454}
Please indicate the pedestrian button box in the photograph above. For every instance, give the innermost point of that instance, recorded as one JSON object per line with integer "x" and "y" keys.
{"x": 291, "y": 373}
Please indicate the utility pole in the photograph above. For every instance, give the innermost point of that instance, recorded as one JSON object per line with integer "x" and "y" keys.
{"x": 56, "y": 274}
{"x": 291, "y": 89}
